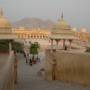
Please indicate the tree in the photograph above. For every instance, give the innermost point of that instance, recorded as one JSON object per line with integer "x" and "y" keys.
{"x": 88, "y": 50}
{"x": 17, "y": 47}
{"x": 4, "y": 45}
{"x": 34, "y": 47}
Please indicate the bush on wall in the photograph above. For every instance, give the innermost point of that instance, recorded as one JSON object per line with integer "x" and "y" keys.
{"x": 4, "y": 46}
{"x": 16, "y": 46}
{"x": 88, "y": 49}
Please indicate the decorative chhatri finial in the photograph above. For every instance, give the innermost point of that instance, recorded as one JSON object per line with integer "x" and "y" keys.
{"x": 62, "y": 16}
{"x": 1, "y": 12}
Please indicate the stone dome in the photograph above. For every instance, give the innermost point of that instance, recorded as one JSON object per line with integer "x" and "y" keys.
{"x": 62, "y": 24}
{"x": 4, "y": 23}
{"x": 62, "y": 30}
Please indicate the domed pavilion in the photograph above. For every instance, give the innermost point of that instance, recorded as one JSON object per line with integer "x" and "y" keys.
{"x": 62, "y": 31}
{"x": 6, "y": 29}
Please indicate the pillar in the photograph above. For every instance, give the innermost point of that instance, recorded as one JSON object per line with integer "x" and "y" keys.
{"x": 10, "y": 47}
{"x": 63, "y": 43}
{"x": 70, "y": 41}
{"x": 57, "y": 42}
{"x": 51, "y": 43}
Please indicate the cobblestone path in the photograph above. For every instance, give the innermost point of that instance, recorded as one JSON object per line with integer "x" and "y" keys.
{"x": 28, "y": 79}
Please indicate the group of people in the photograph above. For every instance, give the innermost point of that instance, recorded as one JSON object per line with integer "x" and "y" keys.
{"x": 31, "y": 59}
{"x": 34, "y": 60}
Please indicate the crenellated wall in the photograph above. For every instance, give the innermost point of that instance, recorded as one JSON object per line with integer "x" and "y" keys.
{"x": 69, "y": 66}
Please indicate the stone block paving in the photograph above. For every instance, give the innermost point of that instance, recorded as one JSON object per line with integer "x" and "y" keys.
{"x": 28, "y": 79}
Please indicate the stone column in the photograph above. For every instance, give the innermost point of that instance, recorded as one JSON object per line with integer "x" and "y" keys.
{"x": 57, "y": 42}
{"x": 10, "y": 47}
{"x": 64, "y": 44}
{"x": 51, "y": 43}
{"x": 70, "y": 41}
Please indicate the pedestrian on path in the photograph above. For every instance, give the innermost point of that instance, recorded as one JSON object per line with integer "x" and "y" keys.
{"x": 38, "y": 59}
{"x": 30, "y": 62}
{"x": 26, "y": 55}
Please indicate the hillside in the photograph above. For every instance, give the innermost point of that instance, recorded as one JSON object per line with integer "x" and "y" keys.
{"x": 34, "y": 22}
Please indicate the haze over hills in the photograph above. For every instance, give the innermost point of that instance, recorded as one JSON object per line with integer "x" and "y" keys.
{"x": 34, "y": 22}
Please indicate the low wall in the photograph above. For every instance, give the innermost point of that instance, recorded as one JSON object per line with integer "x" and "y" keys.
{"x": 69, "y": 67}
{"x": 7, "y": 72}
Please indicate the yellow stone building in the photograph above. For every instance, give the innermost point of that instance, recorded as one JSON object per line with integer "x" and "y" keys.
{"x": 32, "y": 35}
{"x": 5, "y": 28}
{"x": 22, "y": 34}
{"x": 62, "y": 30}
{"x": 83, "y": 35}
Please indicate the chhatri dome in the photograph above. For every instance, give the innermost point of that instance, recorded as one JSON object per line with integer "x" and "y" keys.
{"x": 62, "y": 24}
{"x": 62, "y": 30}
{"x": 5, "y": 28}
{"x": 4, "y": 23}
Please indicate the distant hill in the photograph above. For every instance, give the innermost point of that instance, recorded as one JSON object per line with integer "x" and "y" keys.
{"x": 34, "y": 22}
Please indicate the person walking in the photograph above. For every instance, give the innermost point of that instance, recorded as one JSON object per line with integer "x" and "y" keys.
{"x": 26, "y": 55}
{"x": 30, "y": 62}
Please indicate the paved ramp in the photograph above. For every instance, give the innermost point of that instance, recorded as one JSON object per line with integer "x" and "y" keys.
{"x": 28, "y": 79}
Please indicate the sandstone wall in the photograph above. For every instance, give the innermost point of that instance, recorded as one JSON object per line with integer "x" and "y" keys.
{"x": 70, "y": 66}
{"x": 8, "y": 71}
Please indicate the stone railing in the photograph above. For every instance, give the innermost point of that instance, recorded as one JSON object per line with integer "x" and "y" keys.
{"x": 8, "y": 72}
{"x": 68, "y": 66}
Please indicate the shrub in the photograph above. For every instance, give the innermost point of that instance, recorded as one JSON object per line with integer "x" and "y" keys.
{"x": 17, "y": 47}
{"x": 88, "y": 49}
{"x": 4, "y": 45}
{"x": 34, "y": 48}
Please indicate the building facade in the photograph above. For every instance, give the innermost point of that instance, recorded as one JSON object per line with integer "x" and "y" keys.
{"x": 42, "y": 36}
{"x": 28, "y": 36}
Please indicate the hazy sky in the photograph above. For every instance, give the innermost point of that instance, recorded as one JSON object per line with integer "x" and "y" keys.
{"x": 76, "y": 12}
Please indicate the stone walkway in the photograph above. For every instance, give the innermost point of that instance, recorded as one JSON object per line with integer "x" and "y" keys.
{"x": 28, "y": 79}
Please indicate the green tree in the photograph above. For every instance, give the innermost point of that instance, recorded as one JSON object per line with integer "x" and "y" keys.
{"x": 88, "y": 49}
{"x": 18, "y": 47}
{"x": 34, "y": 48}
{"x": 4, "y": 45}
